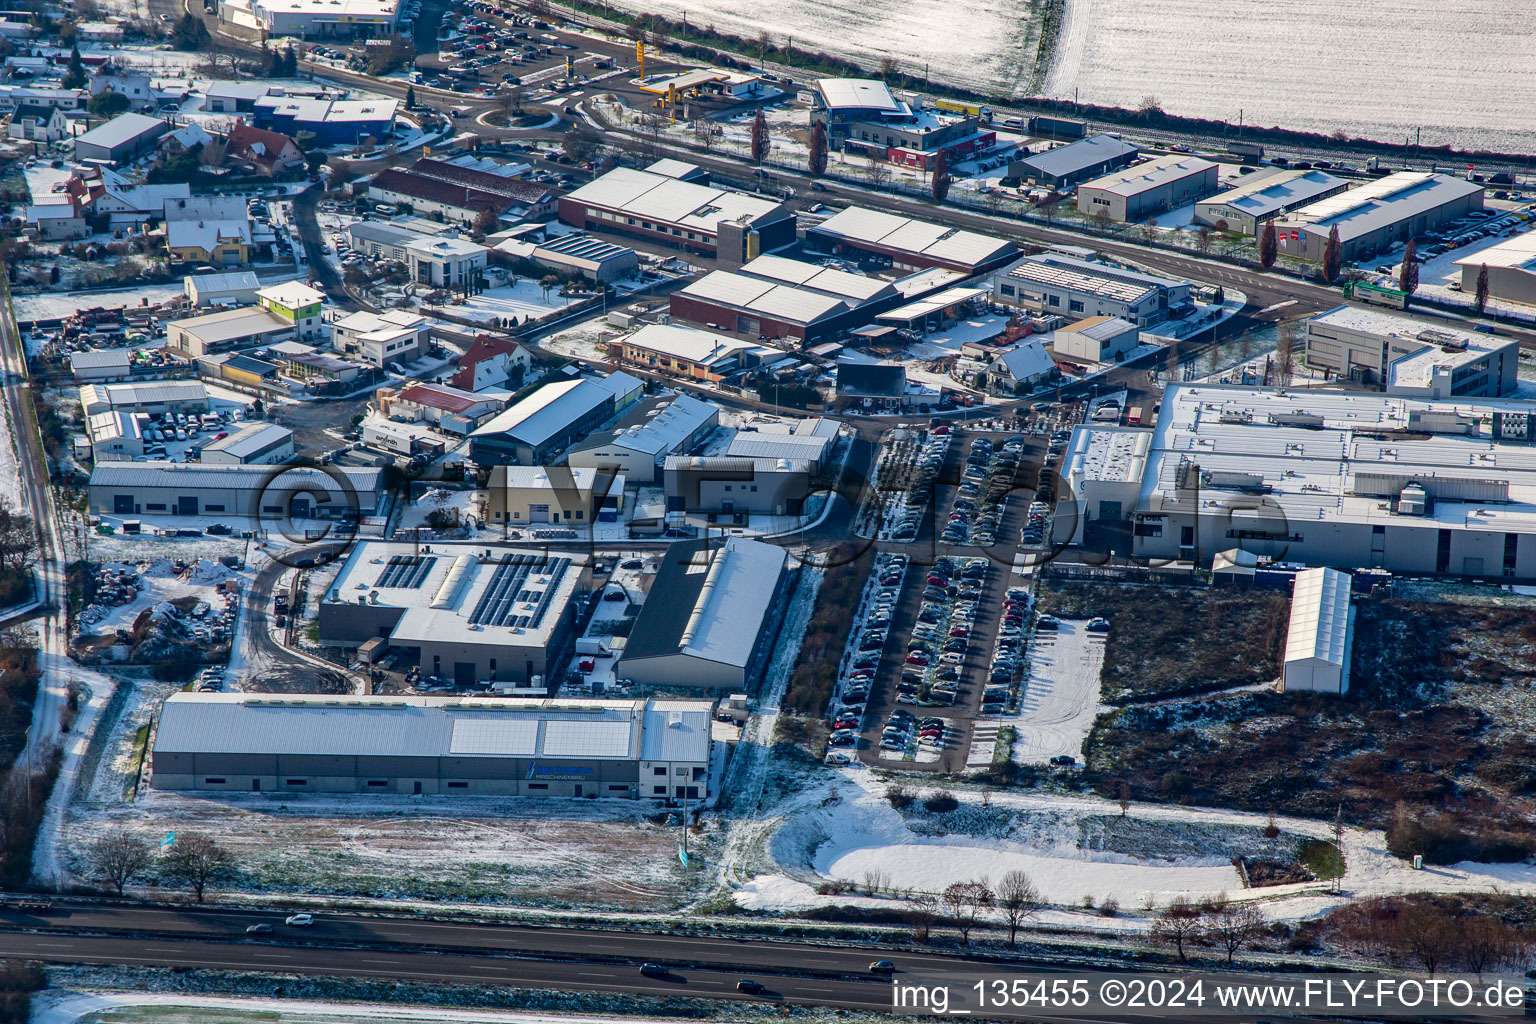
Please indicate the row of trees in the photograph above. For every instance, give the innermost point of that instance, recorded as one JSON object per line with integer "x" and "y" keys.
{"x": 963, "y": 905}
{"x": 1431, "y": 936}
{"x": 194, "y": 861}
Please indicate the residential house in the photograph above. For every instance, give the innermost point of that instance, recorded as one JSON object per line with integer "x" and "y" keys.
{"x": 267, "y": 153}
{"x": 492, "y": 362}
{"x": 34, "y": 122}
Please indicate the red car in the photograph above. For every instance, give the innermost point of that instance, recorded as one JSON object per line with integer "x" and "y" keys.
{"x": 917, "y": 658}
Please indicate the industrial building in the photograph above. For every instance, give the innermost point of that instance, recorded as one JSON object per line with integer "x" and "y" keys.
{"x": 774, "y": 297}
{"x": 873, "y": 387}
{"x": 530, "y": 200}
{"x": 1377, "y": 215}
{"x": 236, "y": 288}
{"x": 333, "y": 122}
{"x": 523, "y": 496}
{"x": 592, "y": 258}
{"x": 1098, "y": 339}
{"x": 474, "y": 746}
{"x": 864, "y": 116}
{"x": 249, "y": 492}
{"x": 226, "y": 330}
{"x": 641, "y": 442}
{"x": 687, "y": 352}
{"x": 1511, "y": 269}
{"x": 1320, "y": 477}
{"x": 1079, "y": 289}
{"x": 106, "y": 364}
{"x": 736, "y": 486}
{"x": 313, "y": 19}
{"x": 153, "y": 397}
{"x": 935, "y": 312}
{"x": 541, "y": 426}
{"x": 1065, "y": 166}
{"x": 809, "y": 440}
{"x": 1410, "y": 357}
{"x": 1147, "y": 189}
{"x": 468, "y": 614}
{"x": 711, "y": 617}
{"x": 909, "y": 244}
{"x": 445, "y": 407}
{"x": 260, "y": 444}
{"x": 116, "y": 436}
{"x": 121, "y": 140}
{"x": 1321, "y": 637}
{"x": 1265, "y": 195}
{"x": 732, "y": 226}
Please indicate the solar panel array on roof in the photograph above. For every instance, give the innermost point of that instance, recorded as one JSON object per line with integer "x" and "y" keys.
{"x": 499, "y": 604}
{"x": 407, "y": 572}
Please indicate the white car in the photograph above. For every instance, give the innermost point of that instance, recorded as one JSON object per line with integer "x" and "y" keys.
{"x": 299, "y": 920}
{"x": 836, "y": 757}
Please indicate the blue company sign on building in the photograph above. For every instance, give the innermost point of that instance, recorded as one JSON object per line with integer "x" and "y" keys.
{"x": 558, "y": 771}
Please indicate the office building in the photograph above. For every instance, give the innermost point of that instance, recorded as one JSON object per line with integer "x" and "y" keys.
{"x": 864, "y": 116}
{"x": 1079, "y": 289}
{"x": 1372, "y": 348}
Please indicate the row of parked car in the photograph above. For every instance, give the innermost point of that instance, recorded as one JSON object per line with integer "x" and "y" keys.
{"x": 1007, "y": 652}
{"x": 983, "y": 497}
{"x": 868, "y": 645}
{"x": 925, "y": 470}
{"x": 941, "y": 638}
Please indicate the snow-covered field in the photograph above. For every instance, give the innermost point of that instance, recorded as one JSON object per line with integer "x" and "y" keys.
{"x": 1301, "y": 64}
{"x": 973, "y": 42}
{"x": 521, "y": 301}
{"x": 51, "y": 306}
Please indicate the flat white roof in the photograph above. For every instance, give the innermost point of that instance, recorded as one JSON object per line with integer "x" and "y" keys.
{"x": 230, "y": 324}
{"x": 332, "y": 10}
{"x": 292, "y": 294}
{"x": 859, "y": 94}
{"x": 1319, "y": 628}
{"x": 250, "y": 440}
{"x": 458, "y": 595}
{"x": 121, "y": 129}
{"x": 1324, "y": 455}
{"x": 1518, "y": 253}
{"x": 1107, "y": 454}
{"x": 1091, "y": 276}
{"x": 703, "y": 347}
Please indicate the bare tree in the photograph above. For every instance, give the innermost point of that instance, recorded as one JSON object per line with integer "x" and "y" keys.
{"x": 18, "y": 539}
{"x": 118, "y": 858}
{"x": 876, "y": 881}
{"x": 1019, "y": 900}
{"x": 1485, "y": 943}
{"x": 1123, "y": 798}
{"x": 878, "y": 172}
{"x": 1285, "y": 358}
{"x": 1426, "y": 935}
{"x": 1179, "y": 925}
{"x": 197, "y": 861}
{"x": 964, "y": 903}
{"x": 923, "y": 914}
{"x": 1234, "y": 925}
{"x": 708, "y": 133}
{"x": 1204, "y": 236}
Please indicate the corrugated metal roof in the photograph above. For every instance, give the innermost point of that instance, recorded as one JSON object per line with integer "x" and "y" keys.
{"x": 735, "y": 598}
{"x": 248, "y": 441}
{"x": 122, "y": 129}
{"x": 364, "y": 480}
{"x": 546, "y": 412}
{"x": 1065, "y": 161}
{"x": 1132, "y": 181}
{"x": 918, "y": 238}
{"x": 351, "y": 726}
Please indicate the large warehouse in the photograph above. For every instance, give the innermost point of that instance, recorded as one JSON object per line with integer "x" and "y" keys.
{"x": 475, "y": 615}
{"x": 313, "y": 19}
{"x": 711, "y": 618}
{"x": 250, "y": 743}
{"x": 1337, "y": 478}
{"x": 1511, "y": 269}
{"x": 733, "y": 226}
{"x": 909, "y": 244}
{"x": 1148, "y": 189}
{"x": 1067, "y": 165}
{"x": 248, "y": 492}
{"x": 774, "y": 297}
{"x": 1411, "y": 357}
{"x": 1377, "y": 215}
{"x": 1261, "y": 197}
{"x": 1079, "y": 289}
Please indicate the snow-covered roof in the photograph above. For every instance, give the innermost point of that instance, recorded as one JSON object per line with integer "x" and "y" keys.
{"x": 1027, "y": 361}
{"x": 658, "y": 197}
{"x": 1065, "y": 161}
{"x": 122, "y": 129}
{"x": 1133, "y": 181}
{"x": 549, "y": 410}
{"x": 251, "y": 440}
{"x": 1381, "y": 203}
{"x": 858, "y": 94}
{"x": 915, "y": 237}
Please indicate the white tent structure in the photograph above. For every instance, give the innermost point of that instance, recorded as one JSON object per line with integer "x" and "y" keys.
{"x": 1317, "y": 647}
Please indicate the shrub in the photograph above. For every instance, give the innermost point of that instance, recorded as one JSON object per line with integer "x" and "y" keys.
{"x": 941, "y": 801}
{"x": 899, "y": 796}
{"x": 1109, "y": 908}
